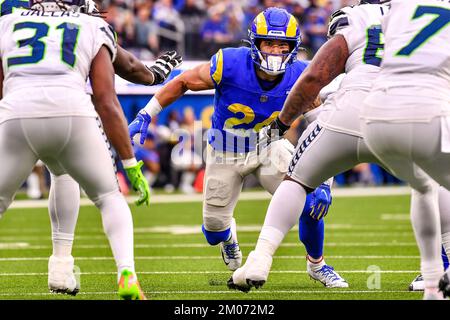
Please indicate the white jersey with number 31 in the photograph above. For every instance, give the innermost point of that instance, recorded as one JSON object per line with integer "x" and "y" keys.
{"x": 417, "y": 47}
{"x": 46, "y": 60}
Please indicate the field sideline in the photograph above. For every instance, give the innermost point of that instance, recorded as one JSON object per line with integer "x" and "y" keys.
{"x": 368, "y": 240}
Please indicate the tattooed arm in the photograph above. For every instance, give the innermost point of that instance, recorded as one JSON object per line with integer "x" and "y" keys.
{"x": 326, "y": 65}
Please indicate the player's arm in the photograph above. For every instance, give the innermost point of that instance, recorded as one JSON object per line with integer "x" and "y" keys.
{"x": 107, "y": 105}
{"x": 108, "y": 108}
{"x": 131, "y": 68}
{"x": 196, "y": 79}
{"x": 127, "y": 66}
{"x": 326, "y": 65}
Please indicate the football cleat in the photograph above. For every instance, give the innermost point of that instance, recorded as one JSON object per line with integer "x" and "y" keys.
{"x": 444, "y": 284}
{"x": 129, "y": 288}
{"x": 231, "y": 253}
{"x": 327, "y": 276}
{"x": 253, "y": 274}
{"x": 417, "y": 284}
{"x": 61, "y": 276}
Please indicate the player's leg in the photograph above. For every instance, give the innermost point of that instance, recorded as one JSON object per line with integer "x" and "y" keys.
{"x": 17, "y": 161}
{"x": 309, "y": 167}
{"x": 311, "y": 231}
{"x": 86, "y": 158}
{"x": 444, "y": 211}
{"x": 64, "y": 203}
{"x": 223, "y": 184}
{"x": 396, "y": 151}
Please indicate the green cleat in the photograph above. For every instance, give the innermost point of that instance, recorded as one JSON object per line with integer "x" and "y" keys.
{"x": 129, "y": 288}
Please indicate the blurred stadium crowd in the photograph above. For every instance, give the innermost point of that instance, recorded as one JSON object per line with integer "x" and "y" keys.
{"x": 197, "y": 29}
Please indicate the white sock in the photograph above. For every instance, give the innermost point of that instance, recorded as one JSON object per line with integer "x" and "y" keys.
{"x": 118, "y": 227}
{"x": 151, "y": 177}
{"x": 281, "y": 215}
{"x": 33, "y": 187}
{"x": 444, "y": 211}
{"x": 426, "y": 225}
{"x": 187, "y": 179}
{"x": 64, "y": 202}
{"x": 315, "y": 265}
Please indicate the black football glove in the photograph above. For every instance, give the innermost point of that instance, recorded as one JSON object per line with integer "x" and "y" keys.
{"x": 164, "y": 66}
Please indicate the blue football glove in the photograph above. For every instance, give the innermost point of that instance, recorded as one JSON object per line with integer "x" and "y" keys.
{"x": 140, "y": 125}
{"x": 318, "y": 202}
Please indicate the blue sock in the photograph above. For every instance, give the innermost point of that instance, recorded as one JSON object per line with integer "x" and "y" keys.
{"x": 214, "y": 237}
{"x": 311, "y": 233}
{"x": 444, "y": 259}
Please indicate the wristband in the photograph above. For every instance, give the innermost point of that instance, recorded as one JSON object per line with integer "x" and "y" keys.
{"x": 153, "y": 107}
{"x": 128, "y": 163}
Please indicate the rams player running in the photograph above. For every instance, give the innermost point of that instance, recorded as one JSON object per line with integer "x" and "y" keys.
{"x": 251, "y": 85}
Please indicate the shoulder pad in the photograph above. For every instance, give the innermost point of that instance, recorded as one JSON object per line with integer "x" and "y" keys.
{"x": 338, "y": 20}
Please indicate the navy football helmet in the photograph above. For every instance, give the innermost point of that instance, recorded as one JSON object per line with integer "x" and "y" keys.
{"x": 277, "y": 24}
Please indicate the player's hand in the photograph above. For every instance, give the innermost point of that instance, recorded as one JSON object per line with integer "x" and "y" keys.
{"x": 139, "y": 183}
{"x": 318, "y": 202}
{"x": 164, "y": 66}
{"x": 140, "y": 125}
{"x": 270, "y": 133}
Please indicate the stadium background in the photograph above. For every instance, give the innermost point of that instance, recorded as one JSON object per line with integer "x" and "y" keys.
{"x": 197, "y": 29}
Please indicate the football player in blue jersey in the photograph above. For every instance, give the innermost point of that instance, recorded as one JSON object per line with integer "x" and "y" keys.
{"x": 64, "y": 197}
{"x": 251, "y": 85}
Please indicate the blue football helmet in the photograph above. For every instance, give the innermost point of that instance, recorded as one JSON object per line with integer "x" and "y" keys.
{"x": 63, "y": 4}
{"x": 277, "y": 24}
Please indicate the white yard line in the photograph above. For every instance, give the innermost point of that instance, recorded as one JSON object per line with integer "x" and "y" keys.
{"x": 253, "y": 292}
{"x": 246, "y": 195}
{"x": 26, "y": 246}
{"x": 206, "y": 258}
{"x": 19, "y": 274}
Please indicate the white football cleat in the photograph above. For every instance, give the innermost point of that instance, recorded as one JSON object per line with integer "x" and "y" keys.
{"x": 61, "y": 276}
{"x": 327, "y": 276}
{"x": 417, "y": 284}
{"x": 231, "y": 253}
{"x": 253, "y": 274}
{"x": 237, "y": 280}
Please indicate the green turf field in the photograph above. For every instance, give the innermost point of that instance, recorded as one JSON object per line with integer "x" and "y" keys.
{"x": 173, "y": 260}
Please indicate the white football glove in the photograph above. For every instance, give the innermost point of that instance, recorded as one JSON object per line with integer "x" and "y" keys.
{"x": 270, "y": 133}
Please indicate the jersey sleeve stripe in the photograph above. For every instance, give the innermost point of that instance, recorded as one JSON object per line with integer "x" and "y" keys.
{"x": 217, "y": 75}
{"x": 111, "y": 37}
{"x": 337, "y": 24}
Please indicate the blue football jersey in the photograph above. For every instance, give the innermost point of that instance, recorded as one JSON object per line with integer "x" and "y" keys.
{"x": 8, "y": 6}
{"x": 241, "y": 106}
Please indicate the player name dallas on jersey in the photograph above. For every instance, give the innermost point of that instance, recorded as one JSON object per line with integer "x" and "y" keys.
{"x": 36, "y": 44}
